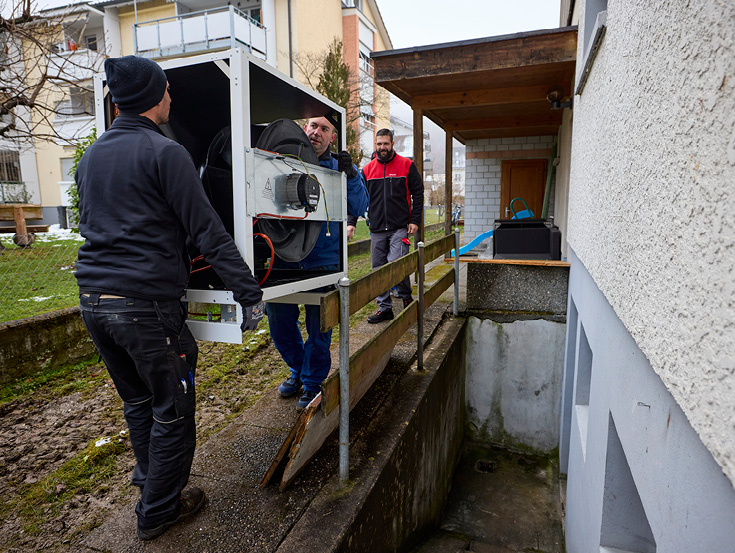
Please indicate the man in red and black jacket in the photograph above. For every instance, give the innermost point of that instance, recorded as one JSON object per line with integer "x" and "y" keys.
{"x": 396, "y": 193}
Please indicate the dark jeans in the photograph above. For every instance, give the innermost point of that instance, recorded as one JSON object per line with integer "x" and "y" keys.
{"x": 308, "y": 361}
{"x": 151, "y": 356}
{"x": 385, "y": 247}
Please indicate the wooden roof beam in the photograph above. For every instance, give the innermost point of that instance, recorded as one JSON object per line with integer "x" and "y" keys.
{"x": 487, "y": 97}
{"x": 522, "y": 50}
{"x": 485, "y": 123}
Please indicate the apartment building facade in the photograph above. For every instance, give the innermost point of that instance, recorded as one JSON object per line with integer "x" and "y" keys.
{"x": 278, "y": 31}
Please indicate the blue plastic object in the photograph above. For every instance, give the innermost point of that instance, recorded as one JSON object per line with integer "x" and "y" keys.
{"x": 525, "y": 214}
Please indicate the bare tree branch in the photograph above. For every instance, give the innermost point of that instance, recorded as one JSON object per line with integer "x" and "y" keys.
{"x": 44, "y": 74}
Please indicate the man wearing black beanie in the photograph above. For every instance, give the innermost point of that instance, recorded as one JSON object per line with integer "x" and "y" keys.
{"x": 139, "y": 198}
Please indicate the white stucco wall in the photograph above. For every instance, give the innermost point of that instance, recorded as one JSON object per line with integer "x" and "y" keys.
{"x": 652, "y": 198}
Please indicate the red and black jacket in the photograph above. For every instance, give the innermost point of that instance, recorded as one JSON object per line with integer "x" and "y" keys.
{"x": 396, "y": 193}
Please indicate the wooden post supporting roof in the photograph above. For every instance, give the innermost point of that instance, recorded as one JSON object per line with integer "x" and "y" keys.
{"x": 418, "y": 159}
{"x": 448, "y": 194}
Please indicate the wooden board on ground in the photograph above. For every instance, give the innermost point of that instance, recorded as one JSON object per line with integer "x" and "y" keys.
{"x": 280, "y": 457}
{"x": 316, "y": 429}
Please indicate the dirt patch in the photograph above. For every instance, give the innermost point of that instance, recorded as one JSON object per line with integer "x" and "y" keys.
{"x": 56, "y": 484}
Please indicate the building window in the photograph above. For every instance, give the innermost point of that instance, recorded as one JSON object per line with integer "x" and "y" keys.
{"x": 254, "y": 14}
{"x": 90, "y": 41}
{"x": 352, "y": 4}
{"x": 595, "y": 24}
{"x": 9, "y": 166}
{"x": 366, "y": 64}
{"x": 67, "y": 164}
{"x": 80, "y": 101}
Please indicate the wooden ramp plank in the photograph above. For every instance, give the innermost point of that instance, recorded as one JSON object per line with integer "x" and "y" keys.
{"x": 280, "y": 458}
{"x": 317, "y": 429}
{"x": 363, "y": 364}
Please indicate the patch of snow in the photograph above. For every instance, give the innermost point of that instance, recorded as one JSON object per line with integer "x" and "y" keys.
{"x": 37, "y": 298}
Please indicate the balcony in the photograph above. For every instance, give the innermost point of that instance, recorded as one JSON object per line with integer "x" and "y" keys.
{"x": 198, "y": 32}
{"x": 72, "y": 63}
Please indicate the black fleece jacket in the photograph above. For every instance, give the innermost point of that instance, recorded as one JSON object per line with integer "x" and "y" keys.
{"x": 139, "y": 198}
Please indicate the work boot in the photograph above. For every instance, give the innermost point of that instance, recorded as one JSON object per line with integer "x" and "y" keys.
{"x": 291, "y": 386}
{"x": 380, "y": 315}
{"x": 191, "y": 500}
{"x": 306, "y": 399}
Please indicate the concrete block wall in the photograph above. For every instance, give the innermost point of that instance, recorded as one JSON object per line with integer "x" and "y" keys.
{"x": 483, "y": 160}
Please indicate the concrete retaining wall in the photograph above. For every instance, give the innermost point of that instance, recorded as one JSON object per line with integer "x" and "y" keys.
{"x": 515, "y": 353}
{"x": 43, "y": 341}
{"x": 402, "y": 468}
{"x": 514, "y": 382}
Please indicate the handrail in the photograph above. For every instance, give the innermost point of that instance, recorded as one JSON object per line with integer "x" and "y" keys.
{"x": 365, "y": 289}
{"x": 358, "y": 372}
{"x": 202, "y": 12}
{"x": 362, "y": 292}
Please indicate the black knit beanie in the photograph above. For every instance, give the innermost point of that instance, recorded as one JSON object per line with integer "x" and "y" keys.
{"x": 137, "y": 84}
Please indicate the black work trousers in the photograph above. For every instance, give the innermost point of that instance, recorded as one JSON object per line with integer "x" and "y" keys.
{"x": 151, "y": 357}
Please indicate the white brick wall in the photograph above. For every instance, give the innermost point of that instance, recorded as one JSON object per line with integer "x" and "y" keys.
{"x": 482, "y": 180}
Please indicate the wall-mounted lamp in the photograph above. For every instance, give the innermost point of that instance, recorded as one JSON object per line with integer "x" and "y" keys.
{"x": 555, "y": 96}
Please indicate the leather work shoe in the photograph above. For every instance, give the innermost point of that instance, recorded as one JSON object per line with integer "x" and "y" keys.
{"x": 291, "y": 386}
{"x": 380, "y": 315}
{"x": 407, "y": 302}
{"x": 191, "y": 500}
{"x": 305, "y": 399}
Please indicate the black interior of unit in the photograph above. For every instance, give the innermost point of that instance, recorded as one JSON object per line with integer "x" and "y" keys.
{"x": 200, "y": 109}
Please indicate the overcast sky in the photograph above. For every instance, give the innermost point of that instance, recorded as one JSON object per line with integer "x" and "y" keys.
{"x": 421, "y": 22}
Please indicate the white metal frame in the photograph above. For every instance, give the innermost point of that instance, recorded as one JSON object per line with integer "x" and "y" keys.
{"x": 244, "y": 190}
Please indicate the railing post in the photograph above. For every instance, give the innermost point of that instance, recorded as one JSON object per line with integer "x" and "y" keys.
{"x": 181, "y": 31}
{"x": 158, "y": 34}
{"x": 344, "y": 380}
{"x": 250, "y": 34}
{"x": 206, "y": 30}
{"x": 420, "y": 317}
{"x": 135, "y": 38}
{"x": 455, "y": 309}
{"x": 233, "y": 42}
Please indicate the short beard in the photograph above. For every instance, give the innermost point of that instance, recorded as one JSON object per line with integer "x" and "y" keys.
{"x": 384, "y": 156}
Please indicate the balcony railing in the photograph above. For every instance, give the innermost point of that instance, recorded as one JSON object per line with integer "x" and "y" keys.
{"x": 13, "y": 193}
{"x": 216, "y": 29}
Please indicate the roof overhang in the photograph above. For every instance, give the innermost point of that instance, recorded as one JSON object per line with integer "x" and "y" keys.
{"x": 485, "y": 88}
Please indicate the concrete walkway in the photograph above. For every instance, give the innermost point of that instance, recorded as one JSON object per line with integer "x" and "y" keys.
{"x": 241, "y": 516}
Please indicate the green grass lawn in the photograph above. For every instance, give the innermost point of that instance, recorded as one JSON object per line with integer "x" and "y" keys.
{"x": 41, "y": 279}
{"x": 362, "y": 232}
{"x": 38, "y": 279}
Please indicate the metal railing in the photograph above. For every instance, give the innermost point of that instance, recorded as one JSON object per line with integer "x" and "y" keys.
{"x": 215, "y": 29}
{"x": 357, "y": 372}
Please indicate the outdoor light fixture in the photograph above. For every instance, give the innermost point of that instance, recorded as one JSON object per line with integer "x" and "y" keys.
{"x": 555, "y": 95}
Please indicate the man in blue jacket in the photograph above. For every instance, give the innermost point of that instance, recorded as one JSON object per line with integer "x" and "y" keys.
{"x": 139, "y": 198}
{"x": 310, "y": 362}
